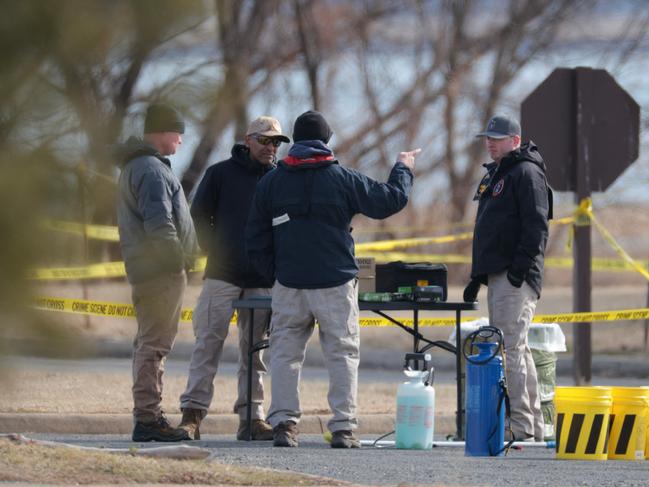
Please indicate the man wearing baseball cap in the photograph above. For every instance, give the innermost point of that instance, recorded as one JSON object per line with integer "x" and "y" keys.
{"x": 158, "y": 245}
{"x": 511, "y": 231}
{"x": 220, "y": 210}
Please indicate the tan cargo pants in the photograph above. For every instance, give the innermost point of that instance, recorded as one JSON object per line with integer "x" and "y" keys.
{"x": 211, "y": 323}
{"x": 158, "y": 303}
{"x": 511, "y": 309}
{"x": 292, "y": 323}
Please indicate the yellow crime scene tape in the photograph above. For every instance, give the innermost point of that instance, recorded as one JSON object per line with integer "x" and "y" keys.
{"x": 411, "y": 228}
{"x": 586, "y": 208}
{"x": 92, "y": 271}
{"x": 405, "y": 243}
{"x": 97, "y": 232}
{"x": 116, "y": 269}
{"x": 111, "y": 234}
{"x": 123, "y": 310}
{"x": 382, "y": 251}
{"x": 383, "y": 257}
{"x": 599, "y": 264}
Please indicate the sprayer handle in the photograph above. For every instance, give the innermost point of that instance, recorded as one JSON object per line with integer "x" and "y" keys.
{"x": 417, "y": 357}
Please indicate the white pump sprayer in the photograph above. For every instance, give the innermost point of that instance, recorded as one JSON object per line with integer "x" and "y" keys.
{"x": 415, "y": 423}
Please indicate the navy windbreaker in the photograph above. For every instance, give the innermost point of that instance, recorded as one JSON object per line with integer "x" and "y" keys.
{"x": 299, "y": 226}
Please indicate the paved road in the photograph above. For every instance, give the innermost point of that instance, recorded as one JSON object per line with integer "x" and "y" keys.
{"x": 530, "y": 467}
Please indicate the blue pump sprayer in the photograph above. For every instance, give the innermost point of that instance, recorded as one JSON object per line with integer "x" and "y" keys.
{"x": 485, "y": 400}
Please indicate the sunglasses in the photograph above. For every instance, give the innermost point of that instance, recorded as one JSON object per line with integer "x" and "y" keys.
{"x": 264, "y": 140}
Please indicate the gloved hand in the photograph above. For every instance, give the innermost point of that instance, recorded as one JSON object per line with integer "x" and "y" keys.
{"x": 471, "y": 291}
{"x": 515, "y": 278}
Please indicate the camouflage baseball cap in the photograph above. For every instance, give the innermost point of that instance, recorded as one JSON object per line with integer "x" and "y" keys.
{"x": 267, "y": 126}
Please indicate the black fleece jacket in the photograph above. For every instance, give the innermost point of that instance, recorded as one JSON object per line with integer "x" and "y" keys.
{"x": 511, "y": 228}
{"x": 220, "y": 211}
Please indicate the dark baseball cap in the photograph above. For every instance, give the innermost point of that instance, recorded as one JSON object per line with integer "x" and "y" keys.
{"x": 500, "y": 127}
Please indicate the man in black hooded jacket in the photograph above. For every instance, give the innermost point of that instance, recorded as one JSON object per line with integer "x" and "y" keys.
{"x": 220, "y": 210}
{"x": 509, "y": 239}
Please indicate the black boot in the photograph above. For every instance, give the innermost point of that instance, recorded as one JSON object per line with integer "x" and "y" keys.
{"x": 158, "y": 430}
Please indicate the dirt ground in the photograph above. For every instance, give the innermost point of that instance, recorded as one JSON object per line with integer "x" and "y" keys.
{"x": 32, "y": 391}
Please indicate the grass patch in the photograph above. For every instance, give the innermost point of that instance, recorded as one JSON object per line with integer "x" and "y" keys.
{"x": 61, "y": 465}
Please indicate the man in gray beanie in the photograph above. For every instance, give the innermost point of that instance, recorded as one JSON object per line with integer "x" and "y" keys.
{"x": 299, "y": 236}
{"x": 158, "y": 246}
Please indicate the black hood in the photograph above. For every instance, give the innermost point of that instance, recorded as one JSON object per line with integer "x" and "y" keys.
{"x": 241, "y": 155}
{"x": 526, "y": 152}
{"x": 134, "y": 148}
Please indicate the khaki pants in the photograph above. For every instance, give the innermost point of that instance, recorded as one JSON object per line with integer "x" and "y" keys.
{"x": 292, "y": 323}
{"x": 511, "y": 309}
{"x": 158, "y": 304}
{"x": 211, "y": 325}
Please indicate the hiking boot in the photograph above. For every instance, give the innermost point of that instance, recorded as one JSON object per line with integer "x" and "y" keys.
{"x": 285, "y": 434}
{"x": 261, "y": 430}
{"x": 191, "y": 422}
{"x": 344, "y": 439}
{"x": 158, "y": 430}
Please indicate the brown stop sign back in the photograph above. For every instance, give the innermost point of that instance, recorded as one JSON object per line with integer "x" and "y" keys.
{"x": 582, "y": 121}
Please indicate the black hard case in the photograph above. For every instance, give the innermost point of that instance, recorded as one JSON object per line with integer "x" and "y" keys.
{"x": 394, "y": 274}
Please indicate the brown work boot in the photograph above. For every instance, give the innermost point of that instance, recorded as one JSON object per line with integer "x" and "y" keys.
{"x": 261, "y": 430}
{"x": 158, "y": 430}
{"x": 285, "y": 434}
{"x": 191, "y": 422}
{"x": 344, "y": 439}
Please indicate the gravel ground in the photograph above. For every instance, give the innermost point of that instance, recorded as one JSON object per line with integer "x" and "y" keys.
{"x": 446, "y": 466}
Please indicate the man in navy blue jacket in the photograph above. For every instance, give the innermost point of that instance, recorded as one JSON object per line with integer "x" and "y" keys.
{"x": 511, "y": 231}
{"x": 298, "y": 235}
{"x": 220, "y": 210}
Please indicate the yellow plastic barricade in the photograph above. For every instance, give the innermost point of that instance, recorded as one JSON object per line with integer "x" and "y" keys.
{"x": 582, "y": 422}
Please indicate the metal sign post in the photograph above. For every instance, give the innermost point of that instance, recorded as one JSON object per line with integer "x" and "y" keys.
{"x": 581, "y": 246}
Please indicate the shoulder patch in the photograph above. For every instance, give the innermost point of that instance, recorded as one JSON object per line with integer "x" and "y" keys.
{"x": 498, "y": 187}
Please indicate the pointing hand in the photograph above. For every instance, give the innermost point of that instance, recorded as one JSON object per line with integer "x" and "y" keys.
{"x": 408, "y": 158}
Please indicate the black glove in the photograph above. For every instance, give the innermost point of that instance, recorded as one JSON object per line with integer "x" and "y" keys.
{"x": 471, "y": 291}
{"x": 516, "y": 279}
